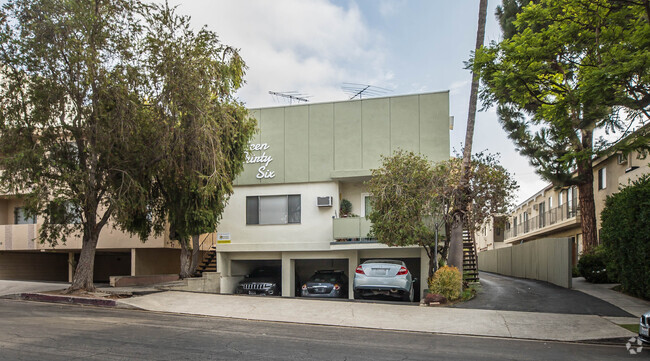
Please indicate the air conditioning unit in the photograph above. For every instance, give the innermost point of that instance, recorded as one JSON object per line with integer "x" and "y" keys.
{"x": 534, "y": 207}
{"x": 324, "y": 201}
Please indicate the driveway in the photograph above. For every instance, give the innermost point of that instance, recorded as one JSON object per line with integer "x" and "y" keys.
{"x": 515, "y": 294}
{"x": 15, "y": 287}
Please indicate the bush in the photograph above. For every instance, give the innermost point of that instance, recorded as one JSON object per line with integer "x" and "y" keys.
{"x": 575, "y": 272}
{"x": 447, "y": 282}
{"x": 593, "y": 266}
{"x": 625, "y": 235}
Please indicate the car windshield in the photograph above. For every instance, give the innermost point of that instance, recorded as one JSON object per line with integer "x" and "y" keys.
{"x": 324, "y": 278}
{"x": 264, "y": 272}
{"x": 389, "y": 261}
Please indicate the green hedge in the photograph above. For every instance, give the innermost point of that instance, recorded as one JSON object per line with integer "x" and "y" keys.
{"x": 593, "y": 267}
{"x": 626, "y": 236}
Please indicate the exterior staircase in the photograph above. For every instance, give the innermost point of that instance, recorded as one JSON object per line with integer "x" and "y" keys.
{"x": 209, "y": 262}
{"x": 470, "y": 261}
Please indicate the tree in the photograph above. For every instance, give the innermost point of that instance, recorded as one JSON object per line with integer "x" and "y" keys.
{"x": 570, "y": 68}
{"x": 403, "y": 203}
{"x": 409, "y": 195}
{"x": 203, "y": 131}
{"x": 72, "y": 127}
{"x": 461, "y": 194}
{"x": 626, "y": 235}
{"x": 491, "y": 190}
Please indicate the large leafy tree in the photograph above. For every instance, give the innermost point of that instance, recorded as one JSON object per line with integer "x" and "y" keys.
{"x": 72, "y": 127}
{"x": 569, "y": 68}
{"x": 202, "y": 130}
{"x": 410, "y": 195}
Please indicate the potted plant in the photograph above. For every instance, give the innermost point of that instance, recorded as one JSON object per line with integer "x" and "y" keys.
{"x": 345, "y": 209}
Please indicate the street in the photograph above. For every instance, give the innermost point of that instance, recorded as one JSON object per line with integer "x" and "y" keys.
{"x": 41, "y": 331}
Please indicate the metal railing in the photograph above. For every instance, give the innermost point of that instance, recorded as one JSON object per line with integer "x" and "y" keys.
{"x": 546, "y": 219}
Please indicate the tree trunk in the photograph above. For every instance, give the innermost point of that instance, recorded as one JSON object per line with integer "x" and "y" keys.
{"x": 186, "y": 259}
{"x": 83, "y": 275}
{"x": 587, "y": 206}
{"x": 195, "y": 253}
{"x": 456, "y": 246}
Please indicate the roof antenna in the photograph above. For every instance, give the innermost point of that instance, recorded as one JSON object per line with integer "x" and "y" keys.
{"x": 359, "y": 90}
{"x": 290, "y": 96}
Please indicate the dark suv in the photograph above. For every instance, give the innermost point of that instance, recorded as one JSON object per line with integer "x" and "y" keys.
{"x": 262, "y": 281}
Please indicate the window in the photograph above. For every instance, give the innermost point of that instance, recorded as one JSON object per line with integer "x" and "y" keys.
{"x": 621, "y": 159}
{"x": 550, "y": 203}
{"x": 283, "y": 209}
{"x": 542, "y": 215}
{"x": 602, "y": 181}
{"x": 367, "y": 204}
{"x": 20, "y": 218}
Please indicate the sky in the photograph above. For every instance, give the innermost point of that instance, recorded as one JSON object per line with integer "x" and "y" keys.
{"x": 405, "y": 46}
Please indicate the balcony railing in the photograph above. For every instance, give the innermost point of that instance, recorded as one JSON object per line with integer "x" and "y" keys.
{"x": 546, "y": 219}
{"x": 351, "y": 228}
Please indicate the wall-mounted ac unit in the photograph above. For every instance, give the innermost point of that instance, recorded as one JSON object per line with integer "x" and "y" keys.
{"x": 324, "y": 201}
{"x": 534, "y": 207}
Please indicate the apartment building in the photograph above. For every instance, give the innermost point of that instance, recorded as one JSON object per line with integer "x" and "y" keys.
{"x": 303, "y": 161}
{"x": 553, "y": 212}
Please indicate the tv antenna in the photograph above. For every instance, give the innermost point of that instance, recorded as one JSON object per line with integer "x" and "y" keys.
{"x": 359, "y": 90}
{"x": 290, "y": 96}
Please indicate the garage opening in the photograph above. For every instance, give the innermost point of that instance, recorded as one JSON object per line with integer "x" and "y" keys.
{"x": 306, "y": 268}
{"x": 109, "y": 264}
{"x": 240, "y": 269}
{"x": 414, "y": 266}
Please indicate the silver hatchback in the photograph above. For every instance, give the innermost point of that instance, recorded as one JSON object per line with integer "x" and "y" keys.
{"x": 386, "y": 277}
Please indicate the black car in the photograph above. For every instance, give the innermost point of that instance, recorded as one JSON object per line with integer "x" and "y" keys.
{"x": 326, "y": 284}
{"x": 262, "y": 281}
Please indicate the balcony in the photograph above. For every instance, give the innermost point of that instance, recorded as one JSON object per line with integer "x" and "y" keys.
{"x": 18, "y": 237}
{"x": 351, "y": 229}
{"x": 554, "y": 219}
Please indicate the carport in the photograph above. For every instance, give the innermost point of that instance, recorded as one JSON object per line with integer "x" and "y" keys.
{"x": 235, "y": 266}
{"x": 413, "y": 265}
{"x": 305, "y": 268}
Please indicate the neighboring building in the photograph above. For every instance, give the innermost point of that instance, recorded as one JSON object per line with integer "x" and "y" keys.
{"x": 491, "y": 235}
{"x": 284, "y": 211}
{"x": 553, "y": 213}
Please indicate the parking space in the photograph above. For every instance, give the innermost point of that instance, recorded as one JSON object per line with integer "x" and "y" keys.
{"x": 413, "y": 265}
{"x": 306, "y": 268}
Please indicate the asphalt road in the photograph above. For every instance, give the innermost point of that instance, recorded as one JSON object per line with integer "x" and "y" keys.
{"x": 40, "y": 331}
{"x": 515, "y": 294}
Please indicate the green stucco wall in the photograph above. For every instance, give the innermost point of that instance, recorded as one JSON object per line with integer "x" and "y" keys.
{"x": 311, "y": 143}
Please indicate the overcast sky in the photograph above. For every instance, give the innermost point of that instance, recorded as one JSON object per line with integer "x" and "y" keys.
{"x": 315, "y": 46}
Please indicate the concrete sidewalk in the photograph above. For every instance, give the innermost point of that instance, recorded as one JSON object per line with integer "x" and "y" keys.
{"x": 17, "y": 287}
{"x": 444, "y": 320}
{"x": 633, "y": 305}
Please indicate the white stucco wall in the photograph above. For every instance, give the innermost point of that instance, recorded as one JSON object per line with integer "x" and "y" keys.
{"x": 314, "y": 231}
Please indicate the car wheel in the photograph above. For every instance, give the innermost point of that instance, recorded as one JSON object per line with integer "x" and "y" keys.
{"x": 408, "y": 297}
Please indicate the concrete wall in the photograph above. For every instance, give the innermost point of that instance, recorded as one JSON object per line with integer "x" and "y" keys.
{"x": 546, "y": 259}
{"x": 309, "y": 142}
{"x": 35, "y": 266}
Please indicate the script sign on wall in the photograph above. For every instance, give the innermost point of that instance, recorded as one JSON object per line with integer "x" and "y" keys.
{"x": 263, "y": 160}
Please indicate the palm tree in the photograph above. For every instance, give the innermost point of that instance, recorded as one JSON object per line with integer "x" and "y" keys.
{"x": 461, "y": 200}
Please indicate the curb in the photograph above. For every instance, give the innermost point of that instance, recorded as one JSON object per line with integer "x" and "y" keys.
{"x": 40, "y": 297}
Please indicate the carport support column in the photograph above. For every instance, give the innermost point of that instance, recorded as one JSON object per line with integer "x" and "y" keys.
{"x": 353, "y": 262}
{"x": 133, "y": 263}
{"x": 71, "y": 266}
{"x": 223, "y": 268}
{"x": 288, "y": 275}
{"x": 424, "y": 272}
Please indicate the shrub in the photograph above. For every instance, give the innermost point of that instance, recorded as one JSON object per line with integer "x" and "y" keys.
{"x": 447, "y": 282}
{"x": 593, "y": 266}
{"x": 625, "y": 235}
